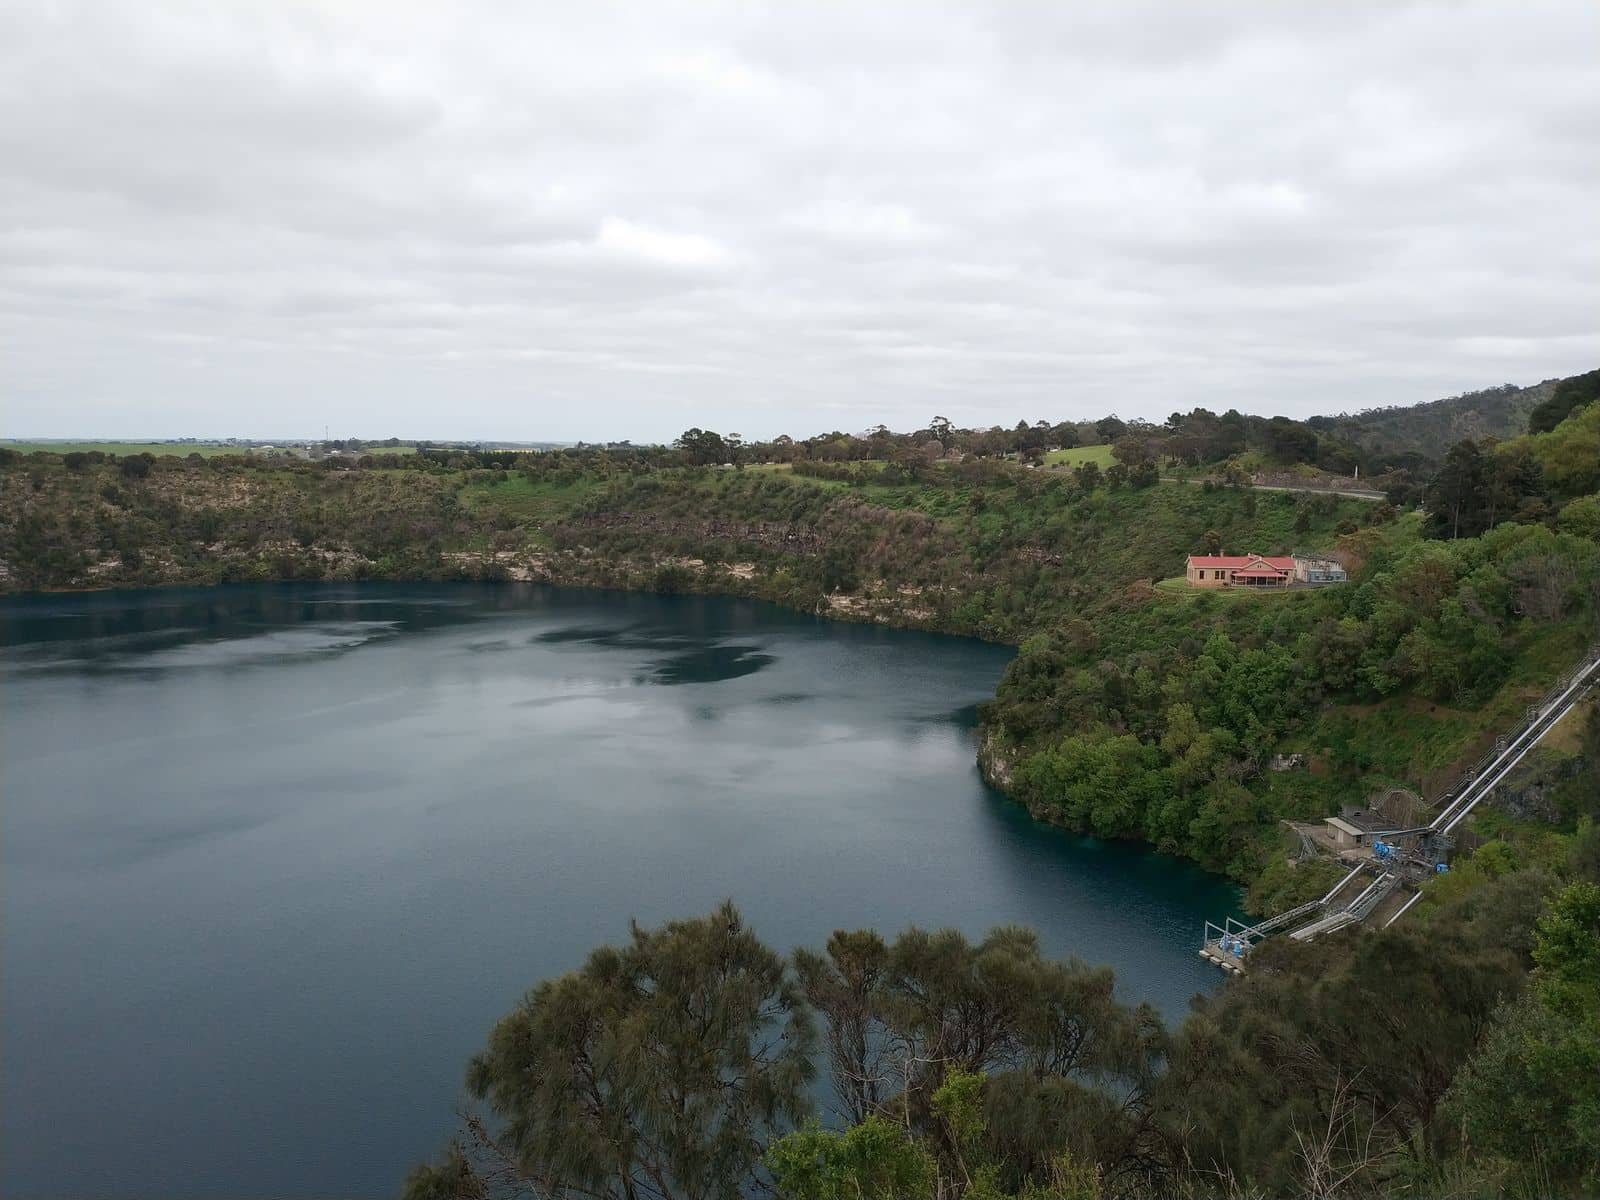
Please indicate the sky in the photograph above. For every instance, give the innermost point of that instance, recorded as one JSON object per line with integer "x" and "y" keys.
{"x": 590, "y": 221}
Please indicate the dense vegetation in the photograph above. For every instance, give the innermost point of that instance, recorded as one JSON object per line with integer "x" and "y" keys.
{"x": 681, "y": 1065}
{"x": 1174, "y": 710}
{"x": 1001, "y": 549}
{"x": 1420, "y": 433}
{"x": 1456, "y": 1054}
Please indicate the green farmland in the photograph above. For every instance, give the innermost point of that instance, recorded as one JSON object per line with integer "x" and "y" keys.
{"x": 206, "y": 449}
{"x": 1079, "y": 455}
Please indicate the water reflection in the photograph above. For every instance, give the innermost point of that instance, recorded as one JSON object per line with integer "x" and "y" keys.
{"x": 712, "y": 664}
{"x": 275, "y": 858}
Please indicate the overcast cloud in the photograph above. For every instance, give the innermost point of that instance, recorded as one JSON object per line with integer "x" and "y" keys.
{"x": 575, "y": 220}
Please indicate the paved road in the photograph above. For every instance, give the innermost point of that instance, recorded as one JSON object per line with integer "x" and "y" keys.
{"x": 1269, "y": 487}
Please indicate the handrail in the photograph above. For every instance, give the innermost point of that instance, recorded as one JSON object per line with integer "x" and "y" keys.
{"x": 1530, "y": 716}
{"x": 1263, "y": 928}
{"x": 1469, "y": 788}
{"x": 1540, "y": 717}
{"x": 1364, "y": 904}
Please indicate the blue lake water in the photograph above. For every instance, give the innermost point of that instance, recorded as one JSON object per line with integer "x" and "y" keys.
{"x": 275, "y": 858}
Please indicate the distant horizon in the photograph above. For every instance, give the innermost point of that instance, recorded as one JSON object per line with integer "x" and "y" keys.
{"x": 523, "y": 440}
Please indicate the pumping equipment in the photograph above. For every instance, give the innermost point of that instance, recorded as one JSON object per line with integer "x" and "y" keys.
{"x": 1399, "y": 864}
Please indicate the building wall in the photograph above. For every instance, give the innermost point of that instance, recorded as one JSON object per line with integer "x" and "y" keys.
{"x": 1211, "y": 577}
{"x": 1318, "y": 571}
{"x": 1221, "y": 577}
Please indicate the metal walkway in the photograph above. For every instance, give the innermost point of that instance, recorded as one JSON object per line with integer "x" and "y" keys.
{"x": 1229, "y": 944}
{"x": 1480, "y": 779}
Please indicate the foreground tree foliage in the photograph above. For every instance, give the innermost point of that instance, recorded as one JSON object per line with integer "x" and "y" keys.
{"x": 659, "y": 1069}
{"x": 1533, "y": 1088}
{"x": 1048, "y": 1039}
{"x": 1457, "y": 1053}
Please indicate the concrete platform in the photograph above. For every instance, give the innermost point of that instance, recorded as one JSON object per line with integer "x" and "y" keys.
{"x": 1214, "y": 953}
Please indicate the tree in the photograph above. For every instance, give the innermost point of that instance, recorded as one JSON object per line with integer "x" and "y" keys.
{"x": 1531, "y": 1094}
{"x": 1109, "y": 429}
{"x": 702, "y": 446}
{"x": 874, "y": 1159}
{"x": 1360, "y": 1036}
{"x": 1095, "y": 781}
{"x": 1132, "y": 450}
{"x": 1513, "y": 477}
{"x": 1290, "y": 441}
{"x": 1457, "y": 496}
{"x": 1570, "y": 454}
{"x": 660, "y": 1069}
{"x": 1212, "y": 542}
{"x": 847, "y": 984}
{"x": 1569, "y": 395}
{"x": 952, "y": 1039}
{"x": 902, "y": 1016}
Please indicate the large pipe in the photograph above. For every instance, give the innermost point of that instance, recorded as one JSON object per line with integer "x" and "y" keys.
{"x": 1294, "y": 914}
{"x": 1530, "y": 735}
{"x": 1339, "y": 887}
{"x": 1533, "y": 728}
{"x": 1355, "y": 904}
{"x": 1402, "y": 910}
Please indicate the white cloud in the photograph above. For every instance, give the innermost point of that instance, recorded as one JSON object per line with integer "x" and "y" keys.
{"x": 629, "y": 240}
{"x": 500, "y": 220}
{"x": 854, "y": 220}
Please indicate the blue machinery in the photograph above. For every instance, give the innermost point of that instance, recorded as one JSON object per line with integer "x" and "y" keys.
{"x": 1396, "y": 863}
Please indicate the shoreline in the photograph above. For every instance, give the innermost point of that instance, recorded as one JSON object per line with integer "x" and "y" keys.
{"x": 992, "y": 769}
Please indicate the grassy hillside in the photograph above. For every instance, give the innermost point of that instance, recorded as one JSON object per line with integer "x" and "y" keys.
{"x": 182, "y": 449}
{"x": 1077, "y": 456}
{"x": 999, "y": 557}
{"x": 992, "y": 551}
{"x": 1166, "y": 721}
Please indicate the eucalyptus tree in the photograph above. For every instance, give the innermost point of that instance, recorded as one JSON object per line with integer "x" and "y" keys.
{"x": 1063, "y": 1065}
{"x": 660, "y": 1070}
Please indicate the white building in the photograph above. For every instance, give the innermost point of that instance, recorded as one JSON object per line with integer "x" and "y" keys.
{"x": 1318, "y": 570}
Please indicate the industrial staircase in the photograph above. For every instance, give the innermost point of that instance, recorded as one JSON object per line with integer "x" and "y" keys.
{"x": 1407, "y": 863}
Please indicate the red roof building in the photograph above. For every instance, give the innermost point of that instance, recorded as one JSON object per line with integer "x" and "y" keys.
{"x": 1239, "y": 570}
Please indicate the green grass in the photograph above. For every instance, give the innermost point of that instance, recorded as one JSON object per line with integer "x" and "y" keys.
{"x": 182, "y": 449}
{"x": 526, "y": 501}
{"x": 1177, "y": 588}
{"x": 206, "y": 449}
{"x": 1078, "y": 455}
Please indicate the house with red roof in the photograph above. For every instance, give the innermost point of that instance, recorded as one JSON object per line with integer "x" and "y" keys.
{"x": 1240, "y": 570}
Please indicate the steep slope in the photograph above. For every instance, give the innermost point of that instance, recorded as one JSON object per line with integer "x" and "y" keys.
{"x": 1426, "y": 431}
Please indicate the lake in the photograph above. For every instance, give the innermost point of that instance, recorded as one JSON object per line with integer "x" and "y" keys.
{"x": 276, "y": 858}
